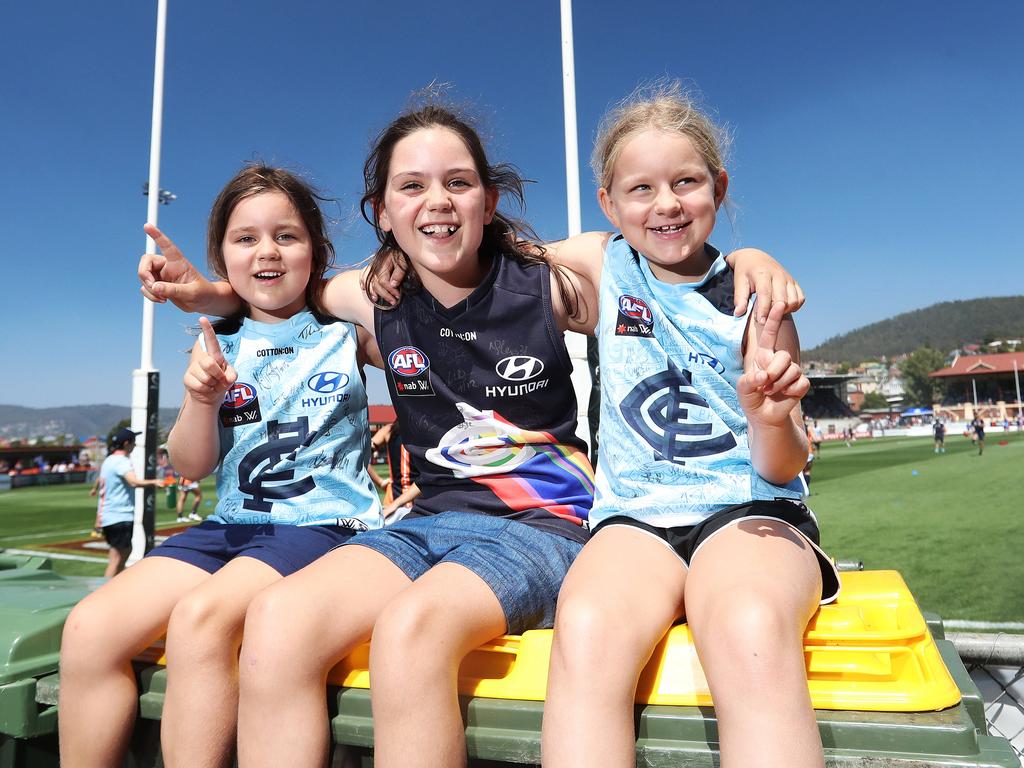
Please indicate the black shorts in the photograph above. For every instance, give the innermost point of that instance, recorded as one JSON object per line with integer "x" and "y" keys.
{"x": 685, "y": 540}
{"x": 119, "y": 535}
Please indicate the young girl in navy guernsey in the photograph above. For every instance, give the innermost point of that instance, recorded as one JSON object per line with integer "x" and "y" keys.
{"x": 697, "y": 512}
{"x": 479, "y": 376}
{"x": 274, "y": 399}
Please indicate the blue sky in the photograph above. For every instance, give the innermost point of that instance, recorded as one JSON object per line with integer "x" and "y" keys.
{"x": 877, "y": 145}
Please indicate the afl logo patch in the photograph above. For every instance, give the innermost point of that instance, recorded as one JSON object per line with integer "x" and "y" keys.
{"x": 519, "y": 368}
{"x": 635, "y": 317}
{"x": 239, "y": 396}
{"x": 327, "y": 382}
{"x": 241, "y": 406}
{"x": 412, "y": 369}
{"x": 408, "y": 361}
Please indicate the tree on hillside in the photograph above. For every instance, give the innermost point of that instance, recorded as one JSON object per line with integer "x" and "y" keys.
{"x": 917, "y": 386}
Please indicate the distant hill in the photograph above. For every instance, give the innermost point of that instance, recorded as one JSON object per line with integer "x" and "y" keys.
{"x": 946, "y": 326}
{"x": 78, "y": 420}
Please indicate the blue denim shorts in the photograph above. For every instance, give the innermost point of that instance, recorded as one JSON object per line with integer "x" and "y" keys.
{"x": 522, "y": 565}
{"x": 285, "y": 548}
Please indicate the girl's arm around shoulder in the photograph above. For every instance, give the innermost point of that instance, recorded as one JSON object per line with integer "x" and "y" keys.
{"x": 770, "y": 391}
{"x": 579, "y": 260}
{"x": 170, "y": 276}
{"x": 344, "y": 298}
{"x": 757, "y": 272}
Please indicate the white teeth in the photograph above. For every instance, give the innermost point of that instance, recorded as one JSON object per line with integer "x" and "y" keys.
{"x": 268, "y": 275}
{"x": 668, "y": 229}
{"x": 439, "y": 229}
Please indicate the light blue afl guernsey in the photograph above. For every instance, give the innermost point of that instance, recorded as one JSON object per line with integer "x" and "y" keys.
{"x": 116, "y": 497}
{"x": 294, "y": 438}
{"x": 673, "y": 438}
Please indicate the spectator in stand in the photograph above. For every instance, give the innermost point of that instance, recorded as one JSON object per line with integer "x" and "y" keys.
{"x": 401, "y": 489}
{"x": 115, "y": 513}
{"x": 979, "y": 433}
{"x": 939, "y": 430}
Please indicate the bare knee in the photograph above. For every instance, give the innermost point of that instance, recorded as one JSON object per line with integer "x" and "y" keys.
{"x": 591, "y": 635}
{"x": 752, "y": 632}
{"x": 408, "y": 628}
{"x": 275, "y": 639}
{"x": 198, "y": 630}
{"x": 90, "y": 642}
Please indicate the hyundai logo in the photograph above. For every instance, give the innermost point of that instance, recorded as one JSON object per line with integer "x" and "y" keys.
{"x": 327, "y": 382}
{"x": 519, "y": 368}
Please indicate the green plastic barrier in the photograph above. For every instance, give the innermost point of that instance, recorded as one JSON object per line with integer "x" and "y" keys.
{"x": 34, "y": 603}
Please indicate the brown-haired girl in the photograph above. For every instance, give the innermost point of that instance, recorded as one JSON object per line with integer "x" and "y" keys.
{"x": 275, "y": 389}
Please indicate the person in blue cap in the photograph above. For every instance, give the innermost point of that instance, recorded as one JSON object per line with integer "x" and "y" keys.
{"x": 115, "y": 512}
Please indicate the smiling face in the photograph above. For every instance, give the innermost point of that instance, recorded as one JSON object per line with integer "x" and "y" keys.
{"x": 663, "y": 198}
{"x": 436, "y": 206}
{"x": 268, "y": 256}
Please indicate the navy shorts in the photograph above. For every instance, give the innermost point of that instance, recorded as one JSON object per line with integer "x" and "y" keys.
{"x": 523, "y": 566}
{"x": 119, "y": 535}
{"x": 686, "y": 540}
{"x": 285, "y": 548}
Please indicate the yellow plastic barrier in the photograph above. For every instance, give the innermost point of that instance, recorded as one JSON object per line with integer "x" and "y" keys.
{"x": 870, "y": 650}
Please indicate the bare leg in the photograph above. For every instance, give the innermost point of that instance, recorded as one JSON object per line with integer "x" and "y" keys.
{"x": 621, "y": 595}
{"x": 295, "y": 631}
{"x": 116, "y": 558}
{"x": 203, "y": 636}
{"x": 444, "y": 615}
{"x": 98, "y": 695}
{"x": 752, "y": 589}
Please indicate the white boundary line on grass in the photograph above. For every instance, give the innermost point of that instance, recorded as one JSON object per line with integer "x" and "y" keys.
{"x": 997, "y": 626}
{"x": 53, "y": 555}
{"x": 44, "y": 533}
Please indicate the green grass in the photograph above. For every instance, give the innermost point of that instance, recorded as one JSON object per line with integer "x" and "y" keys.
{"x": 35, "y": 517}
{"x": 955, "y": 530}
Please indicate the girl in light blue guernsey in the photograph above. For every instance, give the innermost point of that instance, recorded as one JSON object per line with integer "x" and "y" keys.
{"x": 274, "y": 400}
{"x": 698, "y": 509}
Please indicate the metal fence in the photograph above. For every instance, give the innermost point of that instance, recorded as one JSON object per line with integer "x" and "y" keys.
{"x": 996, "y": 664}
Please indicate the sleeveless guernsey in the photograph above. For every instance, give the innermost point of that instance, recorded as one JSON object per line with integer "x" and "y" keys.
{"x": 486, "y": 407}
{"x": 294, "y": 437}
{"x": 673, "y": 436}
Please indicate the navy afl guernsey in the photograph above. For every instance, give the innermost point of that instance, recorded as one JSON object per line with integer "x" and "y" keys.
{"x": 487, "y": 409}
{"x": 673, "y": 436}
{"x": 294, "y": 436}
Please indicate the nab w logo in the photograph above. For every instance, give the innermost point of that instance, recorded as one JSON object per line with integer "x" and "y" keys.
{"x": 656, "y": 409}
{"x": 327, "y": 382}
{"x": 636, "y": 309}
{"x": 519, "y": 368}
{"x": 408, "y": 361}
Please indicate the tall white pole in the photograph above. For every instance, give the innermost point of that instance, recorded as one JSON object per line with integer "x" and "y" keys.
{"x": 572, "y": 150}
{"x": 145, "y": 380}
{"x": 575, "y": 343}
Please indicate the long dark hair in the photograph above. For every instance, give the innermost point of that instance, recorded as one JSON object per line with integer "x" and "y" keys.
{"x": 252, "y": 180}
{"x": 505, "y": 235}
